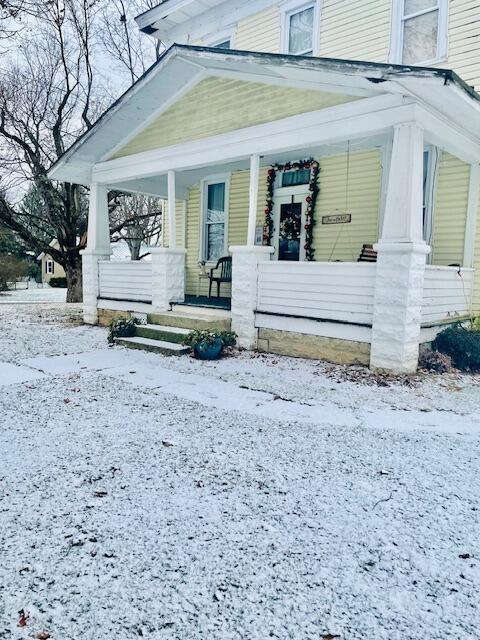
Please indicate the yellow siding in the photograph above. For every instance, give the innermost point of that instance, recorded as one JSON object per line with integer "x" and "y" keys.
{"x": 260, "y": 32}
{"x": 218, "y": 105}
{"x": 344, "y": 241}
{"x": 464, "y": 40}
{"x": 361, "y": 31}
{"x": 476, "y": 264}
{"x": 355, "y": 30}
{"x": 193, "y": 240}
{"x": 179, "y": 222}
{"x": 451, "y": 204}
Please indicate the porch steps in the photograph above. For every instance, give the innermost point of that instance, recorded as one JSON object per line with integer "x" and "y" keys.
{"x": 156, "y": 346}
{"x": 187, "y": 320}
{"x": 161, "y": 332}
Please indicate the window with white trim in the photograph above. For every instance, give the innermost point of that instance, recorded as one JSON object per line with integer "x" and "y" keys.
{"x": 49, "y": 267}
{"x": 214, "y": 219}
{"x": 299, "y": 29}
{"x": 420, "y": 31}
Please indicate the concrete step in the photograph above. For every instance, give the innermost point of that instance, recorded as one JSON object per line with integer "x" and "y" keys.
{"x": 156, "y": 346}
{"x": 162, "y": 332}
{"x": 181, "y": 320}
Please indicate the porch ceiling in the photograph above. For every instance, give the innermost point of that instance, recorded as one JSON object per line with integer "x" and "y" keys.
{"x": 436, "y": 90}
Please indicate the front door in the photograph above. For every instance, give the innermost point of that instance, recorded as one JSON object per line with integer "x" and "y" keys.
{"x": 289, "y": 224}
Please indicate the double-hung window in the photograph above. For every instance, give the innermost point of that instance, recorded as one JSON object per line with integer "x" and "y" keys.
{"x": 419, "y": 31}
{"x": 214, "y": 220}
{"x": 49, "y": 267}
{"x": 299, "y": 29}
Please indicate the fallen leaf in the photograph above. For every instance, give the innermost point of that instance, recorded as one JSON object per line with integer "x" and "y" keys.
{"x": 100, "y": 494}
{"x": 22, "y": 622}
{"x": 464, "y": 556}
{"x": 330, "y": 636}
{"x": 43, "y": 635}
{"x": 66, "y": 400}
{"x": 166, "y": 443}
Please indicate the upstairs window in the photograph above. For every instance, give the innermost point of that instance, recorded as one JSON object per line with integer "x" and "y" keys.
{"x": 419, "y": 33}
{"x": 299, "y": 29}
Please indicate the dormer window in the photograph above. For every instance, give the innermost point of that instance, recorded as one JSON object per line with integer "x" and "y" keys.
{"x": 419, "y": 31}
{"x": 299, "y": 29}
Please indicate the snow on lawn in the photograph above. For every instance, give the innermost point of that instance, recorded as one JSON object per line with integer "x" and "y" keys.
{"x": 34, "y": 329}
{"x": 127, "y": 511}
{"x": 35, "y": 294}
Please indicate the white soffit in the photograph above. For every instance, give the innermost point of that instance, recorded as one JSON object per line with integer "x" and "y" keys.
{"x": 171, "y": 13}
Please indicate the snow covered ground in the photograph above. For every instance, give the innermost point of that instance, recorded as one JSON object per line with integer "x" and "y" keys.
{"x": 255, "y": 497}
{"x": 33, "y": 295}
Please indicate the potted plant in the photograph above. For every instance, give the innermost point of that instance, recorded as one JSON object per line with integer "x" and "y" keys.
{"x": 207, "y": 344}
{"x": 122, "y": 328}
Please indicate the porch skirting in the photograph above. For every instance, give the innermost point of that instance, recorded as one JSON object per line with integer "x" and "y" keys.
{"x": 301, "y": 345}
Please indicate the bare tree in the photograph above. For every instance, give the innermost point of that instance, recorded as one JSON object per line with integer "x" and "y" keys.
{"x": 137, "y": 219}
{"x": 50, "y": 93}
{"x": 45, "y": 102}
{"x": 123, "y": 41}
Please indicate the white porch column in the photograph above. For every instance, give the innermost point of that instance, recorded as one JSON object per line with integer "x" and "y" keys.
{"x": 401, "y": 258}
{"x": 253, "y": 197}
{"x": 172, "y": 227}
{"x": 168, "y": 277}
{"x": 245, "y": 261}
{"x": 98, "y": 248}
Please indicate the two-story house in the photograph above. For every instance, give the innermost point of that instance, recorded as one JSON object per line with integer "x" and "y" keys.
{"x": 330, "y": 148}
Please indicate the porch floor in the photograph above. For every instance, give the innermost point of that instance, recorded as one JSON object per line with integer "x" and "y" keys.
{"x": 205, "y": 301}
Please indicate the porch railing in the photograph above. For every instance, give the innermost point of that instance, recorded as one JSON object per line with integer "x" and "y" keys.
{"x": 129, "y": 280}
{"x": 339, "y": 291}
{"x": 447, "y": 293}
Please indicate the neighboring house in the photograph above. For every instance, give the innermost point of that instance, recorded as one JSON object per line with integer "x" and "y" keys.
{"x": 50, "y": 268}
{"x": 304, "y": 128}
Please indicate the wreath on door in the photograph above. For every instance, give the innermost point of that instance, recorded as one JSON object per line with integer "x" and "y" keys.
{"x": 311, "y": 200}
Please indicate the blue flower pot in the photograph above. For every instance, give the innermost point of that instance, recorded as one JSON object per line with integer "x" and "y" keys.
{"x": 205, "y": 351}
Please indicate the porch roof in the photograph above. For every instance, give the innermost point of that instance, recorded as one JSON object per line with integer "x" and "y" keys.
{"x": 442, "y": 91}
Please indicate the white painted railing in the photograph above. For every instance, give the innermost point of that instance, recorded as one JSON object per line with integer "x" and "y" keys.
{"x": 341, "y": 291}
{"x": 447, "y": 293}
{"x": 125, "y": 280}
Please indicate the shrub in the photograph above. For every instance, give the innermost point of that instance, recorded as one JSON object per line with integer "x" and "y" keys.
{"x": 435, "y": 361}
{"x": 198, "y": 336}
{"x": 58, "y": 283}
{"x": 462, "y": 345}
{"x": 122, "y": 328}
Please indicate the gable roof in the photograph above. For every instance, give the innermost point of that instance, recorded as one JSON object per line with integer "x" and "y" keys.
{"x": 181, "y": 66}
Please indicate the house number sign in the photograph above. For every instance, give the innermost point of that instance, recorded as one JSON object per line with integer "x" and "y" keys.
{"x": 340, "y": 218}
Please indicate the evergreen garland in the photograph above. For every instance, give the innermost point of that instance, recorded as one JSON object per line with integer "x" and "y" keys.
{"x": 311, "y": 199}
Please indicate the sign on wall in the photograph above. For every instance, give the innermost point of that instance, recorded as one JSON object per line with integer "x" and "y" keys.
{"x": 340, "y": 218}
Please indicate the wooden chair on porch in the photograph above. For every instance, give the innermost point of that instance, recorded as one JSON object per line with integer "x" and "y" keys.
{"x": 225, "y": 266}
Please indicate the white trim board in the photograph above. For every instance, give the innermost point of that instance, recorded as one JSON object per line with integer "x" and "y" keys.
{"x": 306, "y": 326}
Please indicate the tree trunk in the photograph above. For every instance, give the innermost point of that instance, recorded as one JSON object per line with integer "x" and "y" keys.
{"x": 73, "y": 272}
